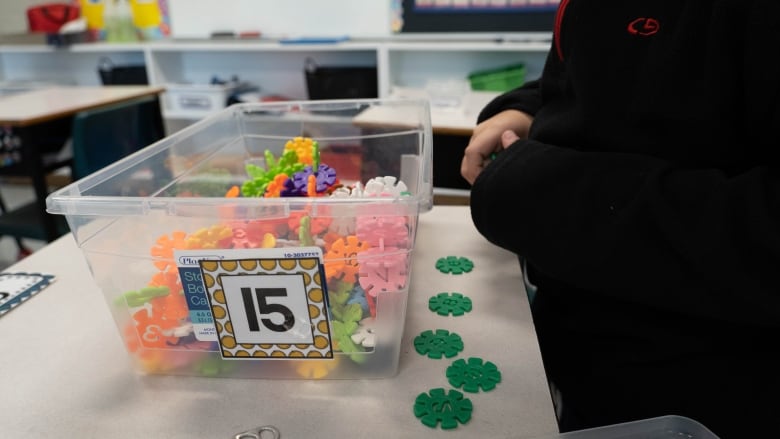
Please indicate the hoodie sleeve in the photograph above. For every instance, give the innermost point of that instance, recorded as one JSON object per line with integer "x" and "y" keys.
{"x": 612, "y": 223}
{"x": 526, "y": 98}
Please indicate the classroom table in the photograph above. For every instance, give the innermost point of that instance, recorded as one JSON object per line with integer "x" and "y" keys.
{"x": 24, "y": 113}
{"x": 65, "y": 372}
{"x": 454, "y": 121}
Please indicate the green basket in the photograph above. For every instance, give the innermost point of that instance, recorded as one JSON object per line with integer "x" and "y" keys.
{"x": 501, "y": 79}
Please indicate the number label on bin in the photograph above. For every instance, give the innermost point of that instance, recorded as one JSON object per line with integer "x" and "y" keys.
{"x": 262, "y": 303}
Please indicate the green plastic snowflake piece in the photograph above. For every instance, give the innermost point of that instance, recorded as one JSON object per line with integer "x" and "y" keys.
{"x": 212, "y": 366}
{"x": 454, "y": 265}
{"x": 259, "y": 178}
{"x": 342, "y": 334}
{"x": 436, "y": 344}
{"x": 339, "y": 291}
{"x": 347, "y": 313}
{"x": 140, "y": 297}
{"x": 438, "y": 407}
{"x": 304, "y": 232}
{"x": 455, "y": 304}
{"x": 473, "y": 374}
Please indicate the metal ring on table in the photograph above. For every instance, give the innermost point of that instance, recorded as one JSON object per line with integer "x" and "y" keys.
{"x": 257, "y": 433}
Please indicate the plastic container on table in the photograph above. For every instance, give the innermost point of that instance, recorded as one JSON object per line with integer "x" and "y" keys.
{"x": 198, "y": 98}
{"x": 500, "y": 79}
{"x": 662, "y": 427}
{"x": 202, "y": 282}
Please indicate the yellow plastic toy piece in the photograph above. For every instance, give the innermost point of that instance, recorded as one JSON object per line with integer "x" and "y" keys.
{"x": 304, "y": 148}
{"x": 208, "y": 238}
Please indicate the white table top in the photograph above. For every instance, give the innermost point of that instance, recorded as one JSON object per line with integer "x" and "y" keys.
{"x": 51, "y": 102}
{"x": 459, "y": 121}
{"x": 64, "y": 371}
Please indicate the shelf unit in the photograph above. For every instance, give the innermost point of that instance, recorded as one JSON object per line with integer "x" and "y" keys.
{"x": 275, "y": 67}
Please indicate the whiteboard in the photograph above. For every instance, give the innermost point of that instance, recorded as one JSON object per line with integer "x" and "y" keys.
{"x": 281, "y": 19}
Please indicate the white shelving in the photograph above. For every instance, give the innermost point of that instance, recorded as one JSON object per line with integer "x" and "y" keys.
{"x": 276, "y": 68}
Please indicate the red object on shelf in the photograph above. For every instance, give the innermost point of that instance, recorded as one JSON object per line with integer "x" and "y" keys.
{"x": 50, "y": 17}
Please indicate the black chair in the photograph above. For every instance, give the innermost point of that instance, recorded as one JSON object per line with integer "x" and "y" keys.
{"x": 107, "y": 134}
{"x": 99, "y": 137}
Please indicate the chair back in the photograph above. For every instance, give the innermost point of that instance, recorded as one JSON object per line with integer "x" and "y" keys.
{"x": 104, "y": 135}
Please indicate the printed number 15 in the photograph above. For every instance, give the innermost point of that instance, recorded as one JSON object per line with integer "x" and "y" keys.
{"x": 265, "y": 308}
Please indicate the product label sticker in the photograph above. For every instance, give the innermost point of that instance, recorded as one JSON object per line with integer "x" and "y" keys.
{"x": 258, "y": 303}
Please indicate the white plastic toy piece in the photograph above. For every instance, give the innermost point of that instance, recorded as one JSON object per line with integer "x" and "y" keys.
{"x": 387, "y": 186}
{"x": 365, "y": 335}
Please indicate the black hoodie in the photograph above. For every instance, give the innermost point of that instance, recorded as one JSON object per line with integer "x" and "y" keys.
{"x": 648, "y": 202}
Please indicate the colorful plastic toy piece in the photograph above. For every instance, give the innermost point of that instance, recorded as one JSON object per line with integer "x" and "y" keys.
{"x": 169, "y": 279}
{"x": 439, "y": 407}
{"x": 358, "y": 296}
{"x": 259, "y": 178}
{"x": 342, "y": 340}
{"x": 305, "y": 148}
{"x": 233, "y": 192}
{"x": 297, "y": 184}
{"x": 163, "y": 249}
{"x": 275, "y": 187}
{"x": 316, "y": 369}
{"x": 139, "y": 298}
{"x": 355, "y": 191}
{"x": 341, "y": 261}
{"x": 347, "y": 313}
{"x": 382, "y": 270}
{"x": 454, "y": 265}
{"x": 212, "y": 366}
{"x": 444, "y": 304}
{"x": 365, "y": 335}
{"x": 387, "y": 231}
{"x": 473, "y": 374}
{"x": 304, "y": 232}
{"x": 438, "y": 344}
{"x": 216, "y": 236}
{"x": 152, "y": 330}
{"x": 342, "y": 226}
{"x": 387, "y": 186}
{"x": 317, "y": 226}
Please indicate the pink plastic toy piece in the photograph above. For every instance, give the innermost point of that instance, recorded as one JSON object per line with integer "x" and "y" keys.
{"x": 382, "y": 269}
{"x": 383, "y": 231}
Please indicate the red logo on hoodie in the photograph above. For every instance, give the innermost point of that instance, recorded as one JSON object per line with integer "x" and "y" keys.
{"x": 643, "y": 26}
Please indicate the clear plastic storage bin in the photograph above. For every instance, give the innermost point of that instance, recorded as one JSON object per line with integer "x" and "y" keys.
{"x": 266, "y": 241}
{"x": 662, "y": 427}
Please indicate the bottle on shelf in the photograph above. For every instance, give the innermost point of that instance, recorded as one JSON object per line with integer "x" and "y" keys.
{"x": 118, "y": 19}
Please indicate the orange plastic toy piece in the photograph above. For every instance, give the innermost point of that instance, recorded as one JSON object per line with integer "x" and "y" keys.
{"x": 168, "y": 279}
{"x": 275, "y": 186}
{"x": 233, "y": 192}
{"x": 164, "y": 247}
{"x": 317, "y": 226}
{"x": 341, "y": 260}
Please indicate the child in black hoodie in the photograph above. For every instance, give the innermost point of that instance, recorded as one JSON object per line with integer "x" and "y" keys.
{"x": 648, "y": 200}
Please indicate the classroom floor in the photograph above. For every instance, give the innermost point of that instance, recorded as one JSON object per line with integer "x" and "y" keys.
{"x": 14, "y": 194}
